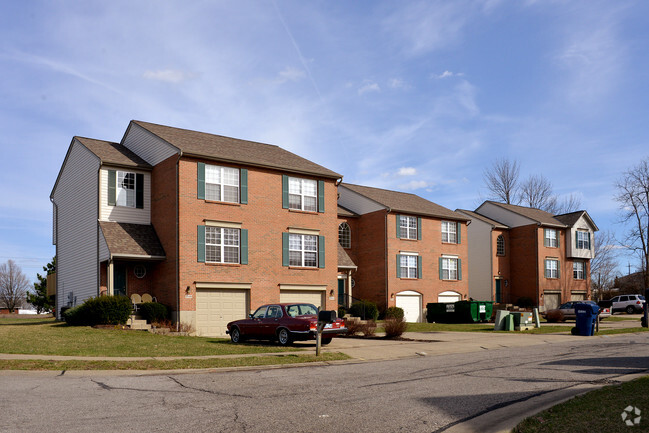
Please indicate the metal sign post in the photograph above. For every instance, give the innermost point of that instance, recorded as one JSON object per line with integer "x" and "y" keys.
{"x": 324, "y": 317}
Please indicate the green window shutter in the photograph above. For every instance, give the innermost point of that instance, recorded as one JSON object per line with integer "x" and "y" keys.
{"x": 459, "y": 269}
{"x": 201, "y": 181}
{"x": 139, "y": 190}
{"x": 441, "y": 269}
{"x": 243, "y": 182}
{"x": 545, "y": 237}
{"x": 321, "y": 201}
{"x": 558, "y": 269}
{"x": 546, "y": 270}
{"x": 589, "y": 246}
{"x": 285, "y": 192}
{"x": 398, "y": 265}
{"x": 201, "y": 244}
{"x": 112, "y": 185}
{"x": 321, "y": 252}
{"x": 398, "y": 226}
{"x": 459, "y": 232}
{"x": 418, "y": 228}
{"x": 419, "y": 271}
{"x": 558, "y": 233}
{"x": 285, "y": 261}
{"x": 244, "y": 246}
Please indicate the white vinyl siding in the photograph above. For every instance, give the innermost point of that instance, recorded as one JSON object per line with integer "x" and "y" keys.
{"x": 124, "y": 214}
{"x": 75, "y": 196}
{"x": 147, "y": 146}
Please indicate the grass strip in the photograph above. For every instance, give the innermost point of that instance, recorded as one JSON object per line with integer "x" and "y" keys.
{"x": 598, "y": 411}
{"x": 33, "y": 364}
{"x": 49, "y": 337}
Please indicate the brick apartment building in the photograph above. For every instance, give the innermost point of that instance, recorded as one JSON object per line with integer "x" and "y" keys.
{"x": 518, "y": 251}
{"x": 209, "y": 225}
{"x": 408, "y": 250}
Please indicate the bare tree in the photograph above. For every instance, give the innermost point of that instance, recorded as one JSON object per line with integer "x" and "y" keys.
{"x": 633, "y": 198}
{"x": 603, "y": 266}
{"x": 502, "y": 180}
{"x": 536, "y": 192}
{"x": 13, "y": 285}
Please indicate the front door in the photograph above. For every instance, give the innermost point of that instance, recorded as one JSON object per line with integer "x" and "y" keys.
{"x": 498, "y": 291}
{"x": 341, "y": 291}
{"x": 119, "y": 285}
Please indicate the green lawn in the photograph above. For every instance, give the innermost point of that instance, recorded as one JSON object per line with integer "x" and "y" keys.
{"x": 289, "y": 358}
{"x": 599, "y": 411}
{"x": 49, "y": 337}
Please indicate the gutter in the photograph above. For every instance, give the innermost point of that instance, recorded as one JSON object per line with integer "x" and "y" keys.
{"x": 180, "y": 155}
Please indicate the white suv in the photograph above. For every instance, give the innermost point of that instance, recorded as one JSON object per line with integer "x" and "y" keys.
{"x": 629, "y": 303}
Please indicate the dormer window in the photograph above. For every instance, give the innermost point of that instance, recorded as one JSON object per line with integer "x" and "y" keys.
{"x": 583, "y": 240}
{"x": 125, "y": 188}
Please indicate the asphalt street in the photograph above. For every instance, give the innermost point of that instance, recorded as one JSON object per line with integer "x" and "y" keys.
{"x": 417, "y": 394}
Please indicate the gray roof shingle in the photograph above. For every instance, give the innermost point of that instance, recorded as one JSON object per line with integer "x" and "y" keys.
{"x": 113, "y": 153}
{"x": 125, "y": 239}
{"x": 405, "y": 202}
{"x": 344, "y": 261}
{"x": 218, "y": 147}
{"x": 475, "y": 215}
{"x": 538, "y": 215}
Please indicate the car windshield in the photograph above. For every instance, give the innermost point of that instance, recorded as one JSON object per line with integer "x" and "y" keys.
{"x": 301, "y": 310}
{"x": 260, "y": 313}
{"x": 641, "y": 297}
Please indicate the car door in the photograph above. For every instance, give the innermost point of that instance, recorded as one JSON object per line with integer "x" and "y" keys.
{"x": 253, "y": 327}
{"x": 568, "y": 310}
{"x": 270, "y": 322}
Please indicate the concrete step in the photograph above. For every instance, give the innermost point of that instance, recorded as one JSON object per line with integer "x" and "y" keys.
{"x": 135, "y": 323}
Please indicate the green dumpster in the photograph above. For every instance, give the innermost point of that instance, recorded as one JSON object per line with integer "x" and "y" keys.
{"x": 473, "y": 311}
{"x": 441, "y": 312}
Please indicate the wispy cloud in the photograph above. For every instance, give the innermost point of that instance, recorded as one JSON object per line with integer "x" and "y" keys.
{"x": 414, "y": 185}
{"x": 291, "y": 74}
{"x": 447, "y": 74}
{"x": 407, "y": 171}
{"x": 368, "y": 88}
{"x": 168, "y": 75}
{"x": 398, "y": 83}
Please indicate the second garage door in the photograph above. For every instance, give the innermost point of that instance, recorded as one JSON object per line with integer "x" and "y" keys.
{"x": 216, "y": 307}
{"x": 449, "y": 296}
{"x": 303, "y": 296}
{"x": 410, "y": 302}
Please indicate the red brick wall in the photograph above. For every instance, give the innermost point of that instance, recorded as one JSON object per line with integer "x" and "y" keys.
{"x": 368, "y": 252}
{"x": 265, "y": 220}
{"x": 524, "y": 261}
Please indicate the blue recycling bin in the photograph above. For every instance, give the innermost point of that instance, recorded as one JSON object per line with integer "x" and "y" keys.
{"x": 586, "y": 316}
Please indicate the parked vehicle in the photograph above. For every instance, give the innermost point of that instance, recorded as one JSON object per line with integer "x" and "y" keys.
{"x": 567, "y": 311}
{"x": 285, "y": 323}
{"x": 629, "y": 303}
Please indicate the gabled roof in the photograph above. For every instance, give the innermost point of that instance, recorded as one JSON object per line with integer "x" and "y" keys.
{"x": 570, "y": 219}
{"x": 132, "y": 240}
{"x": 540, "y": 216}
{"x": 495, "y": 224}
{"x": 343, "y": 211}
{"x": 344, "y": 261}
{"x": 218, "y": 147}
{"x": 405, "y": 202}
{"x": 113, "y": 153}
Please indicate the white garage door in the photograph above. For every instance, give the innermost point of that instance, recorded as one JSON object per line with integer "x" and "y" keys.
{"x": 449, "y": 296}
{"x": 216, "y": 307}
{"x": 410, "y": 302}
{"x": 577, "y": 296}
{"x": 304, "y": 296}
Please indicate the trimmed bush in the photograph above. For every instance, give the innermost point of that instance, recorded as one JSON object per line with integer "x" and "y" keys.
{"x": 342, "y": 311}
{"x": 395, "y": 327}
{"x": 366, "y": 310}
{"x": 153, "y": 312}
{"x": 104, "y": 310}
{"x": 394, "y": 313}
{"x": 368, "y": 329}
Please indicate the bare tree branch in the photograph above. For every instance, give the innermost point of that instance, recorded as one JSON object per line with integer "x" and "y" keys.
{"x": 13, "y": 285}
{"x": 536, "y": 192}
{"x": 502, "y": 181}
{"x": 603, "y": 266}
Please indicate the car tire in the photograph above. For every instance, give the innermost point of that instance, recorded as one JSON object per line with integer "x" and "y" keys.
{"x": 284, "y": 337}
{"x": 235, "y": 335}
{"x": 630, "y": 309}
{"x": 325, "y": 341}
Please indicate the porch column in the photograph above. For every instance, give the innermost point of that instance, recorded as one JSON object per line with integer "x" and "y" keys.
{"x": 109, "y": 278}
{"x": 349, "y": 288}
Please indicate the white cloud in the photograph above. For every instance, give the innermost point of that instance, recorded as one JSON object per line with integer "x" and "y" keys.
{"x": 448, "y": 74}
{"x": 407, "y": 171}
{"x": 291, "y": 74}
{"x": 397, "y": 83}
{"x": 168, "y": 75}
{"x": 369, "y": 87}
{"x": 414, "y": 184}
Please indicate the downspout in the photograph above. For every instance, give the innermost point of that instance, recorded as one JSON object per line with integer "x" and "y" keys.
{"x": 387, "y": 276}
{"x": 98, "y": 211}
{"x": 178, "y": 240}
{"x": 56, "y": 254}
{"x": 538, "y": 282}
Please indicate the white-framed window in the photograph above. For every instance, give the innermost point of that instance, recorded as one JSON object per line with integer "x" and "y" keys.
{"x": 222, "y": 245}
{"x": 500, "y": 245}
{"x": 449, "y": 232}
{"x": 125, "y": 189}
{"x": 551, "y": 268}
{"x": 407, "y": 227}
{"x": 344, "y": 235}
{"x": 578, "y": 268}
{"x": 303, "y": 250}
{"x": 449, "y": 268}
{"x": 302, "y": 194}
{"x": 408, "y": 265}
{"x": 583, "y": 240}
{"x": 551, "y": 238}
{"x": 221, "y": 183}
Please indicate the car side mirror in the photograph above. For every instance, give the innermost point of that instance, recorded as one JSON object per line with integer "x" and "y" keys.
{"x": 250, "y": 316}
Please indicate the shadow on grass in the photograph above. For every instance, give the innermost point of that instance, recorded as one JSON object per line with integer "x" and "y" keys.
{"x": 32, "y": 322}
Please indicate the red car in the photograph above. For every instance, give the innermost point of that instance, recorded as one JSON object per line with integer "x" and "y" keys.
{"x": 285, "y": 323}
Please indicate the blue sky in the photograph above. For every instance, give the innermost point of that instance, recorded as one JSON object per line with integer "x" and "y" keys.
{"x": 417, "y": 96}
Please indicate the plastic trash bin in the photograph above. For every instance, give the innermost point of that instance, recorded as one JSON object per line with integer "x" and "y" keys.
{"x": 586, "y": 316}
